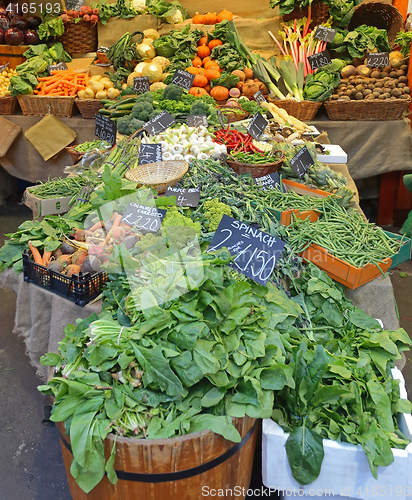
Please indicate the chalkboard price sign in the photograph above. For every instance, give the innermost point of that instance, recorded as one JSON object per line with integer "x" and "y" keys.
{"x": 106, "y": 129}
{"x": 159, "y": 123}
{"x": 196, "y": 120}
{"x": 301, "y": 162}
{"x": 270, "y": 181}
{"x": 259, "y": 97}
{"x": 325, "y": 34}
{"x": 255, "y": 252}
{"x": 319, "y": 60}
{"x": 377, "y": 59}
{"x": 257, "y": 126}
{"x": 150, "y": 153}
{"x": 61, "y": 66}
{"x": 185, "y": 197}
{"x": 74, "y": 4}
{"x": 141, "y": 84}
{"x": 183, "y": 79}
{"x": 144, "y": 219}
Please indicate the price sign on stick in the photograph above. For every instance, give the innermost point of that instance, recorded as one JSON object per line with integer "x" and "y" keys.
{"x": 61, "y": 66}
{"x": 319, "y": 60}
{"x": 183, "y": 79}
{"x": 196, "y": 120}
{"x": 74, "y": 4}
{"x": 142, "y": 218}
{"x": 377, "y": 59}
{"x": 159, "y": 123}
{"x": 106, "y": 129}
{"x": 257, "y": 126}
{"x": 325, "y": 34}
{"x": 150, "y": 153}
{"x": 255, "y": 252}
{"x": 5, "y": 66}
{"x": 141, "y": 84}
{"x": 220, "y": 116}
{"x": 259, "y": 97}
{"x": 185, "y": 197}
{"x": 301, "y": 162}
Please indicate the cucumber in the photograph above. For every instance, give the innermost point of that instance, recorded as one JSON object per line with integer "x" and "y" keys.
{"x": 124, "y": 112}
{"x": 105, "y": 112}
{"x": 108, "y": 102}
{"x": 125, "y": 106}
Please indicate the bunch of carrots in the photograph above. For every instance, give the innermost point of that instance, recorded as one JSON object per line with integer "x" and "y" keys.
{"x": 62, "y": 83}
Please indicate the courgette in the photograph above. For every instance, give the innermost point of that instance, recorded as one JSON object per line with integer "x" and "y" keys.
{"x": 123, "y": 112}
{"x": 128, "y": 105}
{"x": 105, "y": 112}
{"x": 108, "y": 102}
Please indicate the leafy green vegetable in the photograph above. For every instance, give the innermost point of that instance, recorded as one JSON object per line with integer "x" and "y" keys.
{"x": 319, "y": 85}
{"x": 51, "y": 26}
{"x": 404, "y": 40}
{"x": 225, "y": 80}
{"x": 355, "y": 43}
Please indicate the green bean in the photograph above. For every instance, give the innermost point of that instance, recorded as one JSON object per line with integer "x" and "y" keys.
{"x": 61, "y": 186}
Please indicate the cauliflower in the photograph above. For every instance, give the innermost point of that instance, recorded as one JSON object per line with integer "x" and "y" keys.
{"x": 138, "y": 5}
{"x": 175, "y": 18}
{"x": 214, "y": 211}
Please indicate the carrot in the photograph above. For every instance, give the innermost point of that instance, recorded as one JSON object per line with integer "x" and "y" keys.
{"x": 116, "y": 223}
{"x": 38, "y": 259}
{"x": 46, "y": 257}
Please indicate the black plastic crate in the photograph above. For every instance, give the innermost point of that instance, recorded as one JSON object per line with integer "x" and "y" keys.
{"x": 80, "y": 288}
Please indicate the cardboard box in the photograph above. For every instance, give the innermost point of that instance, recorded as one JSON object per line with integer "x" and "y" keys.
{"x": 52, "y": 206}
{"x": 285, "y": 216}
{"x": 345, "y": 470}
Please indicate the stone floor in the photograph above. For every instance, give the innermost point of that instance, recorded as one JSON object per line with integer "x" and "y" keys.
{"x": 31, "y": 465}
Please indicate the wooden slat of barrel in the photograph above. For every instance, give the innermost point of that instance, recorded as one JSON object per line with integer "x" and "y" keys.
{"x": 162, "y": 456}
{"x": 12, "y": 54}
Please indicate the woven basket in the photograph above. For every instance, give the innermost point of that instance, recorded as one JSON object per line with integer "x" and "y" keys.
{"x": 33, "y": 105}
{"x": 74, "y": 155}
{"x": 256, "y": 170}
{"x": 379, "y": 14}
{"x": 160, "y": 175}
{"x": 366, "y": 110}
{"x": 319, "y": 13}
{"x": 79, "y": 38}
{"x": 7, "y": 105}
{"x": 232, "y": 116}
{"x": 303, "y": 110}
{"x": 88, "y": 107}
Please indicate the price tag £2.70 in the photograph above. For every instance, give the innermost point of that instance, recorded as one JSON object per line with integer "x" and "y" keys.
{"x": 106, "y": 129}
{"x": 255, "y": 252}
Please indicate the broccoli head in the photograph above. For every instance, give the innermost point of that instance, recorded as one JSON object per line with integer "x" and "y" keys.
{"x": 123, "y": 123}
{"x": 154, "y": 113}
{"x": 172, "y": 92}
{"x": 199, "y": 108}
{"x": 179, "y": 237}
{"x": 142, "y": 110}
{"x": 145, "y": 97}
{"x": 214, "y": 211}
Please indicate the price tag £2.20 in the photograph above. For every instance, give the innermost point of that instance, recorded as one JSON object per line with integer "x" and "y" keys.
{"x": 255, "y": 252}
{"x": 143, "y": 218}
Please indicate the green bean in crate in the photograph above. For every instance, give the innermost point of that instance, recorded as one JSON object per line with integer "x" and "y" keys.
{"x": 344, "y": 234}
{"x": 62, "y": 186}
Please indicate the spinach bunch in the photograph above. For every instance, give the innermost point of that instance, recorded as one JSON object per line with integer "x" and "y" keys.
{"x": 343, "y": 387}
{"x": 179, "y": 366}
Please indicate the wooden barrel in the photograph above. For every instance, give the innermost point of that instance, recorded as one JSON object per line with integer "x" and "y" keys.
{"x": 179, "y": 468}
{"x": 12, "y": 54}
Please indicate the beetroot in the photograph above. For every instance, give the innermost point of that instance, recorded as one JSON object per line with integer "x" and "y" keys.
{"x": 14, "y": 36}
{"x": 2, "y": 35}
{"x": 33, "y": 22}
{"x": 18, "y": 22}
{"x": 31, "y": 37}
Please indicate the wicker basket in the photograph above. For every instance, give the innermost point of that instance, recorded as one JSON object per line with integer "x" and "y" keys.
{"x": 79, "y": 38}
{"x": 74, "y": 155}
{"x": 33, "y": 105}
{"x": 319, "y": 13}
{"x": 366, "y": 110}
{"x": 8, "y": 105}
{"x": 257, "y": 170}
{"x": 88, "y": 107}
{"x": 231, "y": 115}
{"x": 303, "y": 110}
{"x": 160, "y": 175}
{"x": 379, "y": 14}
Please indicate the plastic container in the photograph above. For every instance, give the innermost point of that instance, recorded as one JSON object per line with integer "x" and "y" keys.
{"x": 80, "y": 288}
{"x": 345, "y": 470}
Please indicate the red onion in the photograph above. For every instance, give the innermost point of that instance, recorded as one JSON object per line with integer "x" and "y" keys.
{"x": 14, "y": 36}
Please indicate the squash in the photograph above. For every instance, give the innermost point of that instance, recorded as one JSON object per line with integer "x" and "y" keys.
{"x": 203, "y": 51}
{"x": 198, "y": 91}
{"x": 248, "y": 73}
{"x": 240, "y": 74}
{"x": 197, "y": 19}
{"x": 212, "y": 74}
{"x": 219, "y": 93}
{"x": 224, "y": 14}
{"x": 210, "y": 18}
{"x": 200, "y": 81}
{"x": 131, "y": 77}
{"x": 250, "y": 88}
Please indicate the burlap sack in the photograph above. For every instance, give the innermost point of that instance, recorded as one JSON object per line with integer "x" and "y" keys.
{"x": 109, "y": 34}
